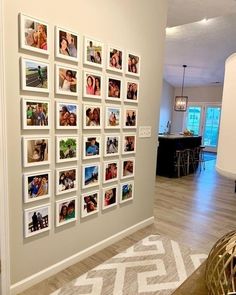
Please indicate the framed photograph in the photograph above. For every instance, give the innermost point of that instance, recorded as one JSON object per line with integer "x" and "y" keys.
{"x": 115, "y": 58}
{"x": 110, "y": 171}
{"x": 34, "y": 75}
{"x": 90, "y": 175}
{"x": 114, "y": 88}
{"x": 129, "y": 143}
{"x": 112, "y": 145}
{"x": 109, "y": 197}
{"x": 66, "y": 149}
{"x": 127, "y": 168}
{"x": 37, "y": 186}
{"x": 130, "y": 118}
{"x": 66, "y": 180}
{"x": 112, "y": 117}
{"x": 67, "y": 44}
{"x": 36, "y": 113}
{"x": 92, "y": 116}
{"x": 91, "y": 146}
{"x": 89, "y": 203}
{"x": 131, "y": 91}
{"x": 67, "y": 114}
{"x": 126, "y": 191}
{"x": 66, "y": 211}
{"x": 34, "y": 34}
{"x": 37, "y": 220}
{"x": 133, "y": 64}
{"x": 36, "y": 151}
{"x": 93, "y": 52}
{"x": 92, "y": 85}
{"x": 66, "y": 80}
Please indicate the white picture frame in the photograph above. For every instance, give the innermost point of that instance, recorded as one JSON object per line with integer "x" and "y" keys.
{"x": 66, "y": 80}
{"x": 127, "y": 169}
{"x": 115, "y": 59}
{"x": 131, "y": 92}
{"x": 92, "y": 116}
{"x": 125, "y": 189}
{"x": 66, "y": 180}
{"x": 130, "y": 118}
{"x": 114, "y": 88}
{"x": 129, "y": 142}
{"x": 92, "y": 146}
{"x": 90, "y": 175}
{"x": 90, "y": 87}
{"x": 67, "y": 115}
{"x": 71, "y": 153}
{"x": 91, "y": 51}
{"x": 63, "y": 215}
{"x": 109, "y": 197}
{"x": 111, "y": 171}
{"x": 90, "y": 203}
{"x": 112, "y": 144}
{"x": 113, "y": 117}
{"x": 132, "y": 68}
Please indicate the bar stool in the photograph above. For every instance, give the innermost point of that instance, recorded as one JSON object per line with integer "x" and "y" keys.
{"x": 189, "y": 160}
{"x": 199, "y": 157}
{"x": 179, "y": 162}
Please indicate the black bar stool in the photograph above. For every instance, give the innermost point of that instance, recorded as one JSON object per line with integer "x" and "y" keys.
{"x": 180, "y": 162}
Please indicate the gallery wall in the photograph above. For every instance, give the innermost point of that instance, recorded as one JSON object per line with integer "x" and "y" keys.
{"x": 131, "y": 25}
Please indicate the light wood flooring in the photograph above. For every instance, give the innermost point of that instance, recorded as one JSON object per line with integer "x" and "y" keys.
{"x": 194, "y": 210}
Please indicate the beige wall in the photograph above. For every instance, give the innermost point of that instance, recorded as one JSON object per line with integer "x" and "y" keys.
{"x": 131, "y": 25}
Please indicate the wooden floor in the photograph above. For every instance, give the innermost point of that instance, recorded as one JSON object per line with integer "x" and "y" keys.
{"x": 195, "y": 210}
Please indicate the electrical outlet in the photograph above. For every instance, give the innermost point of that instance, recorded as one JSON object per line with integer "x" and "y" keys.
{"x": 145, "y": 131}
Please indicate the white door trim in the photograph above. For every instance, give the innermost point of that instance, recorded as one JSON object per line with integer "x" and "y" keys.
{"x": 4, "y": 205}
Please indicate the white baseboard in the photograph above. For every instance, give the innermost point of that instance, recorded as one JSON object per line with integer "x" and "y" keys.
{"x": 52, "y": 270}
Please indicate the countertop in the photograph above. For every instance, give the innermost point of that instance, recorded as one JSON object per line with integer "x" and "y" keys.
{"x": 174, "y": 136}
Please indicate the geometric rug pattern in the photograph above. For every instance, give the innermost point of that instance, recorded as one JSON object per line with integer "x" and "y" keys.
{"x": 154, "y": 265}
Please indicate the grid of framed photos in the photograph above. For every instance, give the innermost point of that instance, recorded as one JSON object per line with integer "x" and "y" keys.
{"x": 90, "y": 123}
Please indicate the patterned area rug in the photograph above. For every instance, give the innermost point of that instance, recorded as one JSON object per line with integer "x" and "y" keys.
{"x": 154, "y": 265}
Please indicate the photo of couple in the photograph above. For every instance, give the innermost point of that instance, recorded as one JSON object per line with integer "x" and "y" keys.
{"x": 67, "y": 149}
{"x": 67, "y": 44}
{"x": 36, "y": 113}
{"x": 66, "y": 180}
{"x": 129, "y": 144}
{"x": 35, "y": 75}
{"x": 37, "y": 150}
{"x": 92, "y": 85}
{"x": 114, "y": 88}
{"x": 115, "y": 59}
{"x": 127, "y": 191}
{"x": 67, "y": 115}
{"x": 110, "y": 171}
{"x": 92, "y": 146}
{"x": 112, "y": 117}
{"x": 130, "y": 118}
{"x": 37, "y": 186}
{"x": 90, "y": 175}
{"x": 132, "y": 91}
{"x": 67, "y": 81}
{"x": 112, "y": 145}
{"x": 109, "y": 197}
{"x": 66, "y": 211}
{"x": 89, "y": 204}
{"x": 36, "y": 220}
{"x": 93, "y": 52}
{"x": 127, "y": 168}
{"x": 92, "y": 116}
{"x": 133, "y": 64}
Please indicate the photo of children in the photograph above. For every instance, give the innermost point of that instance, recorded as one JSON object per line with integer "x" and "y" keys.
{"x": 66, "y": 81}
{"x": 66, "y": 149}
{"x": 126, "y": 191}
{"x": 90, "y": 202}
{"x": 133, "y": 64}
{"x": 66, "y": 180}
{"x": 36, "y": 151}
{"x": 92, "y": 85}
{"x": 129, "y": 144}
{"x": 35, "y": 114}
{"x": 128, "y": 166}
{"x": 111, "y": 145}
{"x": 114, "y": 88}
{"x": 93, "y": 52}
{"x": 67, "y": 44}
{"x": 112, "y": 117}
{"x": 92, "y": 147}
{"x": 130, "y": 118}
{"x": 67, "y": 115}
{"x": 115, "y": 59}
{"x": 109, "y": 197}
{"x": 90, "y": 175}
{"x": 66, "y": 211}
{"x": 36, "y": 186}
{"x": 131, "y": 91}
{"x": 110, "y": 171}
{"x": 92, "y": 115}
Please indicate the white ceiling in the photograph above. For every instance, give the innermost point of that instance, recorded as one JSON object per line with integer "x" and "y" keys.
{"x": 202, "y": 46}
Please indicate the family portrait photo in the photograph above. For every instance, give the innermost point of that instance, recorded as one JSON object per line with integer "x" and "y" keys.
{"x": 113, "y": 116}
{"x": 66, "y": 211}
{"x": 89, "y": 203}
{"x": 36, "y": 151}
{"x": 37, "y": 186}
{"x": 132, "y": 89}
{"x": 92, "y": 117}
{"x": 133, "y": 64}
{"x": 92, "y": 85}
{"x": 93, "y": 52}
{"x": 126, "y": 191}
{"x": 35, "y": 113}
{"x": 92, "y": 145}
{"x": 114, "y": 89}
{"x": 109, "y": 197}
{"x": 67, "y": 149}
{"x": 66, "y": 180}
{"x": 115, "y": 59}
{"x": 110, "y": 171}
{"x": 129, "y": 143}
{"x": 37, "y": 220}
{"x": 66, "y": 80}
{"x": 91, "y": 175}
{"x": 67, "y": 44}
{"x": 34, "y": 34}
{"x": 127, "y": 169}
{"x": 130, "y": 118}
{"x": 112, "y": 145}
{"x": 34, "y": 75}
{"x": 66, "y": 115}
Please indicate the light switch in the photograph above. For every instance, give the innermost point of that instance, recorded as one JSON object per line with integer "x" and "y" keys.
{"x": 145, "y": 131}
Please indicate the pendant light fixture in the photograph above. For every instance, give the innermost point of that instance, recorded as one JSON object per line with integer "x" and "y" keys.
{"x": 181, "y": 101}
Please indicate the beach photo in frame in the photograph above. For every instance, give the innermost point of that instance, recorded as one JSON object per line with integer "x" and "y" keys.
{"x": 91, "y": 146}
{"x": 109, "y": 197}
{"x": 93, "y": 52}
{"x": 66, "y": 148}
{"x": 112, "y": 145}
{"x": 115, "y": 57}
{"x": 92, "y": 85}
{"x": 37, "y": 186}
{"x": 34, "y": 34}
{"x": 90, "y": 175}
{"x": 131, "y": 91}
{"x": 36, "y": 113}
{"x": 92, "y": 116}
{"x": 130, "y": 118}
{"x": 36, "y": 150}
{"x": 37, "y": 220}
{"x": 66, "y": 80}
{"x": 67, "y": 115}
{"x": 113, "y": 117}
{"x": 129, "y": 143}
{"x": 66, "y": 211}
{"x": 34, "y": 75}
{"x": 110, "y": 171}
{"x": 66, "y": 180}
{"x": 133, "y": 64}
{"x": 126, "y": 191}
{"x": 114, "y": 88}
{"x": 67, "y": 44}
{"x": 89, "y": 203}
{"x": 127, "y": 168}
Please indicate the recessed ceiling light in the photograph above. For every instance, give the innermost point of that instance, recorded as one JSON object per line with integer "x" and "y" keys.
{"x": 204, "y": 20}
